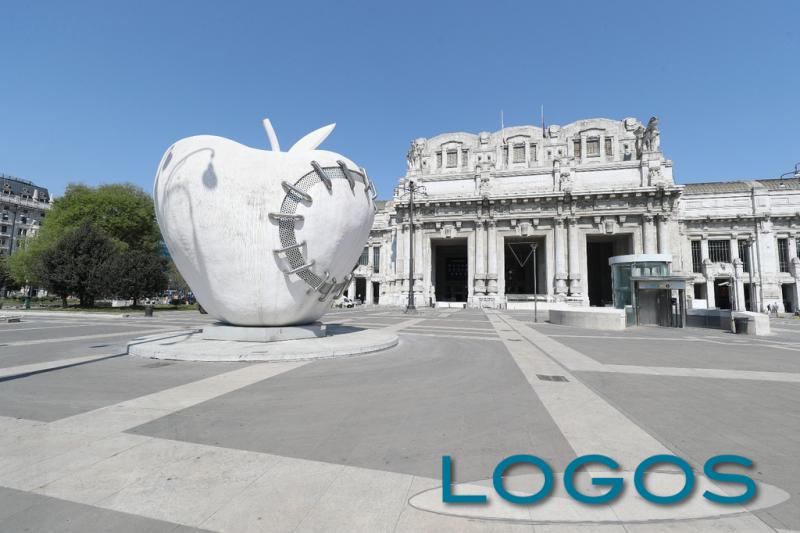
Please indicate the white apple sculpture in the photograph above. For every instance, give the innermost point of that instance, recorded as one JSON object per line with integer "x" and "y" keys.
{"x": 263, "y": 237}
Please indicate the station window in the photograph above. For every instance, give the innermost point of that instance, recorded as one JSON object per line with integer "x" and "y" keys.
{"x": 465, "y": 158}
{"x": 505, "y": 154}
{"x": 519, "y": 153}
{"x": 783, "y": 255}
{"x": 533, "y": 152}
{"x": 438, "y": 159}
{"x": 452, "y": 158}
{"x": 697, "y": 257}
{"x": 577, "y": 149}
{"x": 719, "y": 251}
{"x": 376, "y": 259}
{"x": 609, "y": 147}
{"x": 364, "y": 259}
{"x": 593, "y": 148}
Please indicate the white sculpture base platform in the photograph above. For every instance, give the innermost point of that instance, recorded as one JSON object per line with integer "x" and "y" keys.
{"x": 225, "y": 332}
{"x": 339, "y": 341}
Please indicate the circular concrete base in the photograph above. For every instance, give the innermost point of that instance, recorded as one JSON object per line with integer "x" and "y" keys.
{"x": 226, "y": 332}
{"x": 340, "y": 341}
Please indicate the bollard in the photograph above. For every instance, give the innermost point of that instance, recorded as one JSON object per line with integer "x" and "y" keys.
{"x": 148, "y": 310}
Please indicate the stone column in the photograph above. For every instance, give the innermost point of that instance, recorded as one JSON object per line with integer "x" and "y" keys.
{"x": 419, "y": 238}
{"x": 402, "y": 252}
{"x": 703, "y": 248}
{"x": 647, "y": 234}
{"x": 368, "y": 291}
{"x": 491, "y": 278}
{"x": 794, "y": 270}
{"x": 663, "y": 233}
{"x": 738, "y": 273}
{"x": 575, "y": 288}
{"x": 561, "y": 257}
{"x": 602, "y": 147}
{"x": 393, "y": 244}
{"x": 351, "y": 290}
{"x": 480, "y": 259}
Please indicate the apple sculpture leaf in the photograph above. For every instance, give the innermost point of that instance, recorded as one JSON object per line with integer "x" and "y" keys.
{"x": 263, "y": 237}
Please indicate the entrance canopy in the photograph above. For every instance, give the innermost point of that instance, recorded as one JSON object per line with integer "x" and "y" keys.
{"x": 624, "y": 267}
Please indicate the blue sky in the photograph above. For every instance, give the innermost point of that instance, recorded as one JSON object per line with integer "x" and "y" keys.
{"x": 94, "y": 92}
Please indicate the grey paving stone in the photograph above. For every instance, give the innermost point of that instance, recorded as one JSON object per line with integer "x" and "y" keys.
{"x": 700, "y": 418}
{"x": 55, "y": 394}
{"x": 42, "y": 514}
{"x": 639, "y": 348}
{"x": 399, "y": 411}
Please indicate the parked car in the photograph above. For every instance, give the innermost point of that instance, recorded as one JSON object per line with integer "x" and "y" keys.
{"x": 344, "y": 301}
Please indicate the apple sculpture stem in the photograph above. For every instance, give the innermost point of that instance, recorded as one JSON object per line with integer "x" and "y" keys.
{"x": 274, "y": 145}
{"x": 212, "y": 195}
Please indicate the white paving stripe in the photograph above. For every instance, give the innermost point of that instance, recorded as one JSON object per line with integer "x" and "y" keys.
{"x": 445, "y": 335}
{"x": 85, "y": 458}
{"x": 576, "y": 361}
{"x": 715, "y": 373}
{"x": 592, "y": 426}
{"x": 47, "y": 365}
{"x": 588, "y": 422}
{"x": 72, "y": 325}
{"x": 403, "y": 324}
{"x": 132, "y": 413}
{"x": 129, "y": 333}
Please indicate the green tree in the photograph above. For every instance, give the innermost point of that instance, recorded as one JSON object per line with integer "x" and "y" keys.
{"x": 78, "y": 263}
{"x": 123, "y": 212}
{"x": 5, "y": 275}
{"x": 136, "y": 274}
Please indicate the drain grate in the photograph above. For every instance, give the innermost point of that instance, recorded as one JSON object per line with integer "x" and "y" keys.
{"x": 551, "y": 378}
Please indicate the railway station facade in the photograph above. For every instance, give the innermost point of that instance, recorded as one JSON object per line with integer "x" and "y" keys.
{"x": 506, "y": 217}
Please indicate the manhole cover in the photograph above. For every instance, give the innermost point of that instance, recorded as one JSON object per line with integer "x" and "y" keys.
{"x": 551, "y": 378}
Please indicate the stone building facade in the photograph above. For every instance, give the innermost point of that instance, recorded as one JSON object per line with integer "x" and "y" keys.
{"x": 24, "y": 206}
{"x": 578, "y": 194}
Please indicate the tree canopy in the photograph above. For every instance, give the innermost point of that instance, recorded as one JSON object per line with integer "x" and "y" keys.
{"x": 95, "y": 242}
{"x": 122, "y": 212}
{"x": 135, "y": 274}
{"x": 78, "y": 263}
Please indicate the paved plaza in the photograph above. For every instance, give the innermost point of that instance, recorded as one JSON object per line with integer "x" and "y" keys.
{"x": 94, "y": 439}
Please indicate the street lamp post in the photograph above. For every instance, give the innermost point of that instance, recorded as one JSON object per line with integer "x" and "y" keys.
{"x": 410, "y": 188}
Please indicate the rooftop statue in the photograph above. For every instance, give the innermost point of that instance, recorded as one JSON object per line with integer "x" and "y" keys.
{"x": 414, "y": 155}
{"x": 263, "y": 237}
{"x": 650, "y": 137}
